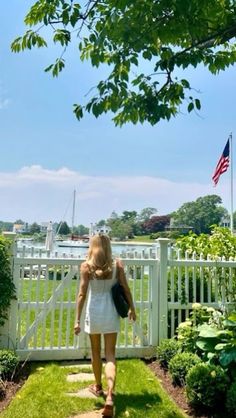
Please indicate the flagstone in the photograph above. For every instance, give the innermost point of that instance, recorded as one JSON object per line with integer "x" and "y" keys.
{"x": 79, "y": 377}
{"x": 82, "y": 393}
{"x": 74, "y": 364}
{"x": 92, "y": 414}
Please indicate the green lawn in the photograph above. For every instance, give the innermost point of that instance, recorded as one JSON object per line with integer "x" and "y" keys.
{"x": 138, "y": 394}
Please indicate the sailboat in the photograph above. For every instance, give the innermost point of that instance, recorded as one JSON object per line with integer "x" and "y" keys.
{"x": 74, "y": 241}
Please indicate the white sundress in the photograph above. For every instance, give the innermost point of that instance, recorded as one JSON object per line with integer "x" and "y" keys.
{"x": 101, "y": 316}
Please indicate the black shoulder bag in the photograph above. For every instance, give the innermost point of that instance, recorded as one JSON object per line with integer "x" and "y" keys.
{"x": 120, "y": 300}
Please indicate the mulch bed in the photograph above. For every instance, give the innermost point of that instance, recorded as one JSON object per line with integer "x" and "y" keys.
{"x": 11, "y": 387}
{"x": 175, "y": 392}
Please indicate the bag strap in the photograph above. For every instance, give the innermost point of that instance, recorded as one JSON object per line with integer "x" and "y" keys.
{"x": 118, "y": 272}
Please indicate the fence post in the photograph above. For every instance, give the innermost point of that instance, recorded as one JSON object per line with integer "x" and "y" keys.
{"x": 7, "y": 339}
{"x": 155, "y": 303}
{"x": 163, "y": 288}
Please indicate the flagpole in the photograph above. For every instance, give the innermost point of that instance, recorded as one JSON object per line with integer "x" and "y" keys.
{"x": 231, "y": 184}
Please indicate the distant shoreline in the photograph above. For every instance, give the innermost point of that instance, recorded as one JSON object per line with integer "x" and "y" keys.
{"x": 133, "y": 243}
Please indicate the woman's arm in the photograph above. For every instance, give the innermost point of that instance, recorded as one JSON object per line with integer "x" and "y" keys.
{"x": 123, "y": 281}
{"x": 84, "y": 281}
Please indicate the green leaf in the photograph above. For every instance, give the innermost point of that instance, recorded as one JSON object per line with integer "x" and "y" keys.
{"x": 206, "y": 344}
{"x": 230, "y": 323}
{"x": 190, "y": 107}
{"x": 227, "y": 357}
{"x": 185, "y": 83}
{"x": 208, "y": 332}
{"x": 221, "y": 346}
{"x": 75, "y": 15}
{"x": 62, "y": 36}
{"x": 49, "y": 68}
{"x": 232, "y": 316}
{"x": 147, "y": 55}
{"x": 78, "y": 111}
{"x": 198, "y": 104}
{"x": 56, "y": 68}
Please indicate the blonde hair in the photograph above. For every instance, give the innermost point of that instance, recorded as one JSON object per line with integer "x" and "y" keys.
{"x": 100, "y": 256}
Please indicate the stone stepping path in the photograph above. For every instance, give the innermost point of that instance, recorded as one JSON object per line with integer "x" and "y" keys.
{"x": 81, "y": 377}
{"x": 85, "y": 392}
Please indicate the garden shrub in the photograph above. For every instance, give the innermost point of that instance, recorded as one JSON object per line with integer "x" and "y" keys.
{"x": 180, "y": 364}
{"x": 231, "y": 400}
{"x": 167, "y": 349}
{"x": 206, "y": 386}
{"x": 7, "y": 288}
{"x": 187, "y": 335}
{"x": 188, "y": 331}
{"x": 8, "y": 363}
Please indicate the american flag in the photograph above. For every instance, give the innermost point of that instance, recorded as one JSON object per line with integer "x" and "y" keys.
{"x": 222, "y": 165}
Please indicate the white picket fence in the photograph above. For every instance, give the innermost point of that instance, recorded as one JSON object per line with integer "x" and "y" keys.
{"x": 210, "y": 282}
{"x": 164, "y": 287}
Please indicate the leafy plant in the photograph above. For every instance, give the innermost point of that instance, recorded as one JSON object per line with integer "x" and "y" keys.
{"x": 187, "y": 335}
{"x": 206, "y": 386}
{"x": 8, "y": 363}
{"x": 180, "y": 364}
{"x": 188, "y": 331}
{"x": 7, "y": 288}
{"x": 218, "y": 342}
{"x": 220, "y": 242}
{"x": 167, "y": 349}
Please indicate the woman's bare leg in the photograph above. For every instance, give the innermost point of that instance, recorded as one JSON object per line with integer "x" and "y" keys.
{"x": 96, "y": 357}
{"x": 110, "y": 367}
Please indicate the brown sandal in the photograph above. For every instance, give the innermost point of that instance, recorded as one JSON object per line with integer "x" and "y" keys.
{"x": 96, "y": 390}
{"x": 108, "y": 409}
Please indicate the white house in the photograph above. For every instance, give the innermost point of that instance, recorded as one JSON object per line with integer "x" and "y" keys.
{"x": 95, "y": 229}
{"x": 20, "y": 228}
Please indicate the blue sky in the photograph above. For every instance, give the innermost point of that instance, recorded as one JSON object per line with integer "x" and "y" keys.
{"x": 46, "y": 152}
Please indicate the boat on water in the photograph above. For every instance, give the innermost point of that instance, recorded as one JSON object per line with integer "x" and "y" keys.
{"x": 73, "y": 244}
{"x": 74, "y": 241}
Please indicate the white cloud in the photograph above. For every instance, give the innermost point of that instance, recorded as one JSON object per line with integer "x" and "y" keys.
{"x": 38, "y": 194}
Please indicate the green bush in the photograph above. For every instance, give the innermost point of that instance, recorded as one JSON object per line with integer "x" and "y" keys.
{"x": 187, "y": 335}
{"x": 7, "y": 288}
{"x": 180, "y": 364}
{"x": 231, "y": 400}
{"x": 167, "y": 349}
{"x": 206, "y": 386}
{"x": 8, "y": 363}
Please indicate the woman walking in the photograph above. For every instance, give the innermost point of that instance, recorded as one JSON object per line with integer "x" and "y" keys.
{"x": 97, "y": 275}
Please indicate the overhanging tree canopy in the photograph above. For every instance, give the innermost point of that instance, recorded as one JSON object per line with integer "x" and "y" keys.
{"x": 168, "y": 34}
